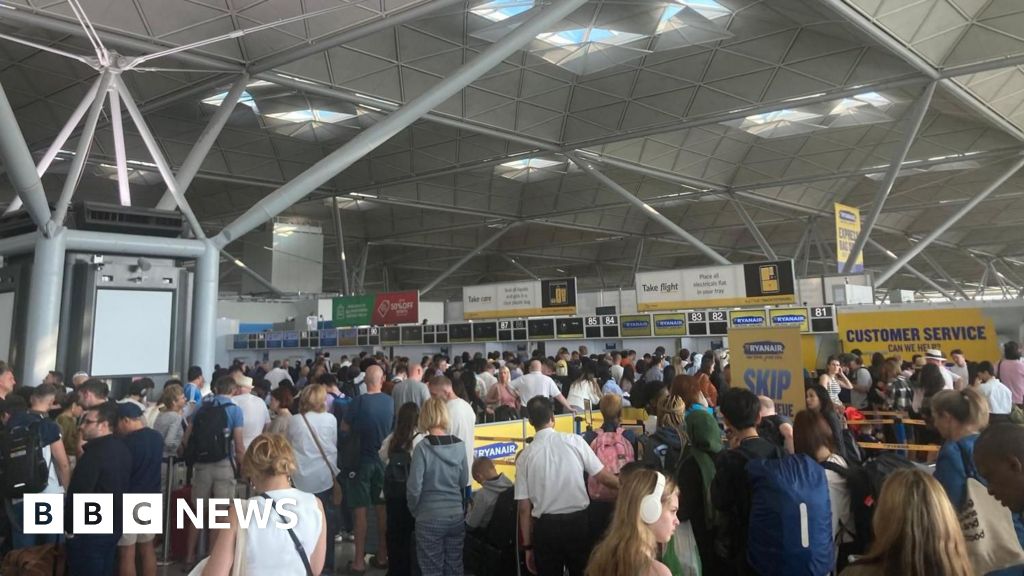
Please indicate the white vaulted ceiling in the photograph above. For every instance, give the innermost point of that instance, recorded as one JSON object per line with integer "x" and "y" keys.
{"x": 784, "y": 106}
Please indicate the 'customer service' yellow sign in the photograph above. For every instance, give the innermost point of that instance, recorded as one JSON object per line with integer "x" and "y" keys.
{"x": 909, "y": 332}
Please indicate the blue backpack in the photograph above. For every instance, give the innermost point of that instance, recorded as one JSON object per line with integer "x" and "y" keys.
{"x": 790, "y": 530}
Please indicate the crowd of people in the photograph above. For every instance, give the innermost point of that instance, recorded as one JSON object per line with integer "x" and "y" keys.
{"x": 703, "y": 492}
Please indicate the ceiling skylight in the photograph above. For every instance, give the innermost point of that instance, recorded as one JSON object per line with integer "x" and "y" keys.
{"x": 498, "y": 10}
{"x": 531, "y": 163}
{"x": 706, "y": 8}
{"x": 218, "y": 99}
{"x": 311, "y": 115}
{"x": 847, "y": 105}
{"x": 584, "y": 35}
{"x": 530, "y": 169}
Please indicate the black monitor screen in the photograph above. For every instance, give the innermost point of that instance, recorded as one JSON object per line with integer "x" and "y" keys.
{"x": 412, "y": 334}
{"x": 541, "y": 329}
{"x": 569, "y": 327}
{"x": 460, "y": 332}
{"x": 485, "y": 331}
{"x": 390, "y": 335}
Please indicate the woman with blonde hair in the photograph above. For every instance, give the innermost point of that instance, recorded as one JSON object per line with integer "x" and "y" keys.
{"x": 313, "y": 434}
{"x": 917, "y": 532}
{"x": 437, "y": 477}
{"x": 644, "y": 520}
{"x": 959, "y": 416}
{"x": 169, "y": 421}
{"x": 502, "y": 394}
{"x": 272, "y": 551}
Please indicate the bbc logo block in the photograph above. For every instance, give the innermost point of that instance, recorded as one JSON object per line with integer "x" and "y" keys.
{"x": 93, "y": 514}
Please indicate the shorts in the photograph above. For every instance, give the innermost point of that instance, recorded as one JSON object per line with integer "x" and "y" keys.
{"x": 133, "y": 539}
{"x": 213, "y": 480}
{"x": 365, "y": 489}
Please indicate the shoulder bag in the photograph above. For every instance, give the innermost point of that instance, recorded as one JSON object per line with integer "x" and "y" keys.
{"x": 295, "y": 539}
{"x": 988, "y": 526}
{"x": 335, "y": 487}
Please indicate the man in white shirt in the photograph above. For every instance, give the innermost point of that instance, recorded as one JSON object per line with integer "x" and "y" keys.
{"x": 935, "y": 357}
{"x": 1000, "y": 399}
{"x": 255, "y": 415}
{"x": 616, "y": 368}
{"x": 959, "y": 368}
{"x": 536, "y": 384}
{"x": 276, "y": 374}
{"x": 461, "y": 417}
{"x": 484, "y": 377}
{"x": 552, "y": 495}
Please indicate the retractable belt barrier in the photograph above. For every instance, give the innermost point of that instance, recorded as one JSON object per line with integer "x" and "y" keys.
{"x": 904, "y": 447}
{"x": 886, "y": 421}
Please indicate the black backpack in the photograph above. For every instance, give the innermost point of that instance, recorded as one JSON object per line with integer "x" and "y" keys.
{"x": 396, "y": 474}
{"x": 492, "y": 549}
{"x": 865, "y": 483}
{"x": 211, "y": 439}
{"x": 768, "y": 429}
{"x": 23, "y": 470}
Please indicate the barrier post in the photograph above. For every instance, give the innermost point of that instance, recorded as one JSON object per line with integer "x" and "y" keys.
{"x": 167, "y": 512}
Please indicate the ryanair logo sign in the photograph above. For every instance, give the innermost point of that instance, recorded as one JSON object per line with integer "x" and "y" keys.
{"x": 764, "y": 348}
{"x": 848, "y": 216}
{"x": 495, "y": 451}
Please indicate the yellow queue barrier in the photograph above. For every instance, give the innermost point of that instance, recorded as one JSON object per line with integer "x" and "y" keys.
{"x": 502, "y": 441}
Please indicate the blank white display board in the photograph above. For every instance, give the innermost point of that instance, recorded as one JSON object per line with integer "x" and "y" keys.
{"x": 6, "y": 324}
{"x": 132, "y": 332}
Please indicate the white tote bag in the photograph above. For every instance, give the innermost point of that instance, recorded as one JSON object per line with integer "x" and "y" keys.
{"x": 988, "y": 528}
{"x": 237, "y": 564}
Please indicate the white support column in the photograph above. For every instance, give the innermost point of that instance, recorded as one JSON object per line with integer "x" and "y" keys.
{"x": 205, "y": 287}
{"x": 60, "y": 140}
{"x": 946, "y": 223}
{"x": 914, "y": 271}
{"x": 20, "y": 169}
{"x": 913, "y": 124}
{"x": 340, "y": 234}
{"x": 43, "y": 318}
{"x": 469, "y": 256}
{"x": 158, "y": 158}
{"x": 194, "y": 161}
{"x": 371, "y": 138}
{"x": 754, "y": 230}
{"x": 647, "y": 209}
{"x": 82, "y": 150}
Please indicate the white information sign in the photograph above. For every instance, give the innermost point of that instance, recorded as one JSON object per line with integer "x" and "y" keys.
{"x": 716, "y": 286}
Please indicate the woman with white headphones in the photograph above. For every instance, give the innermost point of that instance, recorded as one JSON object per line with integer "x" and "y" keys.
{"x": 644, "y": 520}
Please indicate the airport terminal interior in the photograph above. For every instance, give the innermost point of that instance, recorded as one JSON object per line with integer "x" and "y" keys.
{"x": 602, "y": 287}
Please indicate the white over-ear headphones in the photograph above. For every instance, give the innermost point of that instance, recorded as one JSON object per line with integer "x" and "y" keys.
{"x": 650, "y": 506}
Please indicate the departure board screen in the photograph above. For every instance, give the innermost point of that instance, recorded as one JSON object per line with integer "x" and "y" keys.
{"x": 541, "y": 328}
{"x": 485, "y": 331}
{"x": 460, "y": 332}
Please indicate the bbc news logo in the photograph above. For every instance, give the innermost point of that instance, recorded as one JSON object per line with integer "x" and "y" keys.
{"x": 143, "y": 513}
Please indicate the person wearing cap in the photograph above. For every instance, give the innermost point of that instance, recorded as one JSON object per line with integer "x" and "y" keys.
{"x": 256, "y": 415}
{"x": 935, "y": 357}
{"x": 146, "y": 447}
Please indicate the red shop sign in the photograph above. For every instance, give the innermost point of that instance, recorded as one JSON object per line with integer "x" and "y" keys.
{"x": 396, "y": 308}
